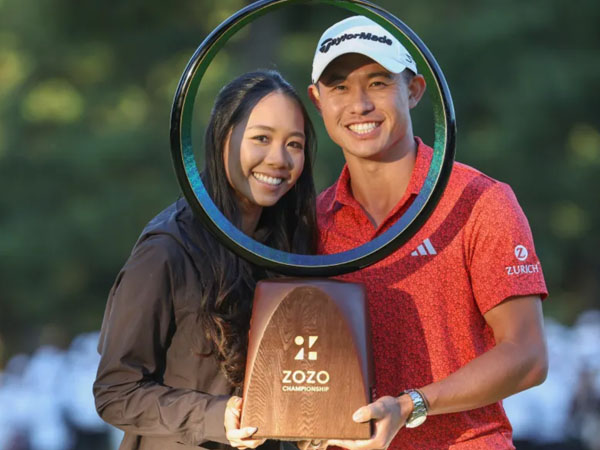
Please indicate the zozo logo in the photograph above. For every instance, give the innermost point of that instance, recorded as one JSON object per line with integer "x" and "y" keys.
{"x": 301, "y": 380}
{"x": 299, "y": 340}
{"x": 305, "y": 376}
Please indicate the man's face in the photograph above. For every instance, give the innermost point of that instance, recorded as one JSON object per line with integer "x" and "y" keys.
{"x": 365, "y": 107}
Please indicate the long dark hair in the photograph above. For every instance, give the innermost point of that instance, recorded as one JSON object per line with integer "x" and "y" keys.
{"x": 289, "y": 225}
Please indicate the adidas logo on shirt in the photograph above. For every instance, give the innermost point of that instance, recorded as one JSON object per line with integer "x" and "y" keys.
{"x": 424, "y": 249}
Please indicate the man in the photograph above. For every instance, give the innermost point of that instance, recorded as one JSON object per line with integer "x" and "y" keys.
{"x": 456, "y": 312}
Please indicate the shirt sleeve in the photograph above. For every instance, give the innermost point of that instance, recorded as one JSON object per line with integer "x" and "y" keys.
{"x": 500, "y": 250}
{"x": 136, "y": 330}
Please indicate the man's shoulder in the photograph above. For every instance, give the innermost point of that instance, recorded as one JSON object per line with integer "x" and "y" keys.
{"x": 479, "y": 193}
{"x": 465, "y": 176}
{"x": 464, "y": 180}
{"x": 465, "y": 173}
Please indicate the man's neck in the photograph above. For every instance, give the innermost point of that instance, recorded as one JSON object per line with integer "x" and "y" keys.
{"x": 378, "y": 186}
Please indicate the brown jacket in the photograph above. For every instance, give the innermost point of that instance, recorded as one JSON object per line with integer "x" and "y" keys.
{"x": 153, "y": 381}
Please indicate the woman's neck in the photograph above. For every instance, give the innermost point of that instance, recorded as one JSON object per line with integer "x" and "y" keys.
{"x": 250, "y": 213}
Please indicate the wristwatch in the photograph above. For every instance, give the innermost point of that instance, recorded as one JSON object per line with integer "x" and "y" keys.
{"x": 419, "y": 412}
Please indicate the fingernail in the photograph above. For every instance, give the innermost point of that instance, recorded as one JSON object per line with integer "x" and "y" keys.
{"x": 357, "y": 416}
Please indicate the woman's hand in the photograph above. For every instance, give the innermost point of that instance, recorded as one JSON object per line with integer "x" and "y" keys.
{"x": 238, "y": 437}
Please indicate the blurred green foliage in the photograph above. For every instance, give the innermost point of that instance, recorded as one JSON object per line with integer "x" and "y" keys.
{"x": 85, "y": 97}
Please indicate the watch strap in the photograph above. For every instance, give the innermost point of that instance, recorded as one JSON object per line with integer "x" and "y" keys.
{"x": 419, "y": 412}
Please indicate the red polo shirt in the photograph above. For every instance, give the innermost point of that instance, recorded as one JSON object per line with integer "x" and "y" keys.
{"x": 427, "y": 299}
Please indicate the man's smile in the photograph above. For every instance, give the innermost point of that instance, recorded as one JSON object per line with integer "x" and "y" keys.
{"x": 363, "y": 128}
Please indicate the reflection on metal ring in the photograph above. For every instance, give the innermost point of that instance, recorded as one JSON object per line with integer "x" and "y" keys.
{"x": 291, "y": 263}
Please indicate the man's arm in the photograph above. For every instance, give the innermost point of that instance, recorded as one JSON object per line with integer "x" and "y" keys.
{"x": 518, "y": 361}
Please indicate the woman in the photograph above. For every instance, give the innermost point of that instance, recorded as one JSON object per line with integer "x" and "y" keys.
{"x": 174, "y": 335}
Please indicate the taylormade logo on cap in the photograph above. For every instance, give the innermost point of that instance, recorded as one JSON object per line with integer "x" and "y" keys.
{"x": 327, "y": 43}
{"x": 360, "y": 34}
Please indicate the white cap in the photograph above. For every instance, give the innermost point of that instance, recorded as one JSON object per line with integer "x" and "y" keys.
{"x": 359, "y": 34}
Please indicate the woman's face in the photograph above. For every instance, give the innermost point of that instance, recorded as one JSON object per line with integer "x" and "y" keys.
{"x": 264, "y": 154}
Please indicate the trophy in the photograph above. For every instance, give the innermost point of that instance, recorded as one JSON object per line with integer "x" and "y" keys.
{"x": 309, "y": 359}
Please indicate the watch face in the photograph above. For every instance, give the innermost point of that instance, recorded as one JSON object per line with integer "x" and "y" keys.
{"x": 416, "y": 421}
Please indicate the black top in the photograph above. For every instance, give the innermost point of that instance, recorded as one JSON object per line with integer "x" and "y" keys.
{"x": 154, "y": 380}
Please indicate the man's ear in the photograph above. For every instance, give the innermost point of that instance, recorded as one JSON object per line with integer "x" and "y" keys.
{"x": 416, "y": 89}
{"x": 313, "y": 94}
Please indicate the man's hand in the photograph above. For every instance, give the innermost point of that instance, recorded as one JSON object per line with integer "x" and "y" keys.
{"x": 389, "y": 414}
{"x": 238, "y": 437}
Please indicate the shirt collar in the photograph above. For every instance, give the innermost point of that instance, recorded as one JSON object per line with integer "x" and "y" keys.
{"x": 343, "y": 191}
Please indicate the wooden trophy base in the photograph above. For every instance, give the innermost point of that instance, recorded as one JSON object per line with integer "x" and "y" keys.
{"x": 309, "y": 361}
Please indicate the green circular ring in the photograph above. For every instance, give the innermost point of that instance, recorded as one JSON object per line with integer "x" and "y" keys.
{"x": 292, "y": 263}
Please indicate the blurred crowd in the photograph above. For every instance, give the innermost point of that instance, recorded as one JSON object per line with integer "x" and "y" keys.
{"x": 46, "y": 400}
{"x": 564, "y": 412}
